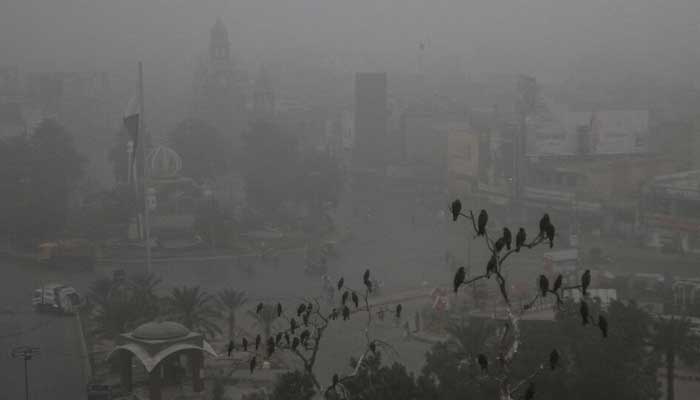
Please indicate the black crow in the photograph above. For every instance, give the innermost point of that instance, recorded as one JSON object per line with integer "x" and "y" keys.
{"x": 258, "y": 339}
{"x": 603, "y": 325}
{"x": 245, "y": 344}
{"x": 295, "y": 343}
{"x": 550, "y": 235}
{"x": 499, "y": 244}
{"x": 355, "y": 299}
{"x": 492, "y": 266}
{"x": 481, "y": 223}
{"x": 279, "y": 309}
{"x": 301, "y": 309}
{"x": 230, "y": 347}
{"x": 340, "y": 283}
{"x": 459, "y": 278}
{"x": 373, "y": 347}
{"x": 507, "y": 237}
{"x": 483, "y": 362}
{"x": 398, "y": 311}
{"x": 520, "y": 239}
{"x": 557, "y": 283}
{"x": 530, "y": 392}
{"x": 544, "y": 285}
{"x": 334, "y": 314}
{"x": 583, "y": 310}
{"x": 585, "y": 281}
{"x": 553, "y": 359}
{"x": 253, "y": 361}
{"x": 544, "y": 223}
{"x": 259, "y": 308}
{"x": 335, "y": 380}
{"x": 346, "y": 313}
{"x": 293, "y": 325}
{"x": 345, "y": 297}
{"x": 456, "y": 208}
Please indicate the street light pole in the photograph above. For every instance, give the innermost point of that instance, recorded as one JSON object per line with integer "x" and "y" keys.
{"x": 146, "y": 194}
{"x": 26, "y": 353}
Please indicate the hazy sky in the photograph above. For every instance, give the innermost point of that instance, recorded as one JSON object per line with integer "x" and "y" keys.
{"x": 545, "y": 37}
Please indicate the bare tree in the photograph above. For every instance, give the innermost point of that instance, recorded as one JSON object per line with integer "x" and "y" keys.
{"x": 510, "y": 337}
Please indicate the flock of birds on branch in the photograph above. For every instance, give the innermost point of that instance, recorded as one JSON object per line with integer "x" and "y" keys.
{"x": 546, "y": 233}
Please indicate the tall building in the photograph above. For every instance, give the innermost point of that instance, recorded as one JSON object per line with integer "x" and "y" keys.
{"x": 371, "y": 119}
{"x": 220, "y": 88}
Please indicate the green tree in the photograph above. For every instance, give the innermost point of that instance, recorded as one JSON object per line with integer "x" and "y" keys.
{"x": 205, "y": 152}
{"x": 375, "y": 381}
{"x": 674, "y": 338}
{"x": 195, "y": 309}
{"x": 265, "y": 319}
{"x": 231, "y": 300}
{"x": 295, "y": 385}
{"x": 142, "y": 289}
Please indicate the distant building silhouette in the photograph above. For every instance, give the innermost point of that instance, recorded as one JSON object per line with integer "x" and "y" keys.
{"x": 371, "y": 120}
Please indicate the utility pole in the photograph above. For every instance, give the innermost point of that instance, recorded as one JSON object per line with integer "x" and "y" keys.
{"x": 146, "y": 191}
{"x": 26, "y": 353}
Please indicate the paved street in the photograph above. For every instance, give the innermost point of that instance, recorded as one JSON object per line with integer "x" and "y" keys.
{"x": 57, "y": 373}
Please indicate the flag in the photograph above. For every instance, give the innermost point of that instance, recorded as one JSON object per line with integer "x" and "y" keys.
{"x": 131, "y": 124}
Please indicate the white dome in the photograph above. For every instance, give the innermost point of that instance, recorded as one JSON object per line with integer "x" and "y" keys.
{"x": 163, "y": 162}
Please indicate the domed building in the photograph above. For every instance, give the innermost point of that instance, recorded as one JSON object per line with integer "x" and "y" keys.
{"x": 159, "y": 347}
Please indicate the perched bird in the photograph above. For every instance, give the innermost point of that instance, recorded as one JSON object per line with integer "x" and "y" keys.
{"x": 286, "y": 338}
{"x": 456, "y": 208}
{"x": 304, "y": 336}
{"x": 346, "y": 313}
{"x": 309, "y": 307}
{"x": 293, "y": 325}
{"x": 585, "y": 281}
{"x": 544, "y": 285}
{"x": 492, "y": 266}
{"x": 253, "y": 362}
{"x": 305, "y": 319}
{"x": 355, "y": 299}
{"x": 499, "y": 244}
{"x": 459, "y": 278}
{"x": 398, "y": 311}
{"x": 278, "y": 338}
{"x": 557, "y": 283}
{"x": 481, "y": 223}
{"x": 258, "y": 339}
{"x": 367, "y": 281}
{"x": 259, "y": 308}
{"x": 373, "y": 347}
{"x": 335, "y": 380}
{"x": 340, "y": 282}
{"x": 270, "y": 346}
{"x": 507, "y": 237}
{"x": 230, "y": 347}
{"x": 245, "y": 344}
{"x": 345, "y": 297}
{"x": 279, "y": 309}
{"x": 520, "y": 239}
{"x": 544, "y": 223}
{"x": 550, "y": 235}
{"x": 301, "y": 309}
{"x": 483, "y": 362}
{"x": 603, "y": 325}
{"x": 583, "y": 310}
{"x": 334, "y": 314}
{"x": 295, "y": 343}
{"x": 530, "y": 392}
{"x": 553, "y": 359}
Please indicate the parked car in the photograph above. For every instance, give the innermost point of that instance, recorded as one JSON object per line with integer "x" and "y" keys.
{"x": 56, "y": 297}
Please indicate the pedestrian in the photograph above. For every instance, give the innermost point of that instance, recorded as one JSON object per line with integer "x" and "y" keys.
{"x": 230, "y": 347}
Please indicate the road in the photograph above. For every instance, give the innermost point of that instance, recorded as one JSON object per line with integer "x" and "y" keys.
{"x": 58, "y": 372}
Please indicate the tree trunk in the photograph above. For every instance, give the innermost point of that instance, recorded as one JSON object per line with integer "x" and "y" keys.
{"x": 670, "y": 371}
{"x": 231, "y": 324}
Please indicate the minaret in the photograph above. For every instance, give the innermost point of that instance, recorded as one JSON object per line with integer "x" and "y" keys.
{"x": 263, "y": 96}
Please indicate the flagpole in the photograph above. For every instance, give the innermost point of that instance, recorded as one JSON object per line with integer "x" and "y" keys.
{"x": 146, "y": 209}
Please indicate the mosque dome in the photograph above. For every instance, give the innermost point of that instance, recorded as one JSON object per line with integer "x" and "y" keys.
{"x": 164, "y": 162}
{"x": 160, "y": 331}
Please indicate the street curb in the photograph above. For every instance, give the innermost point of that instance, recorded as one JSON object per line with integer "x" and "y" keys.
{"x": 87, "y": 366}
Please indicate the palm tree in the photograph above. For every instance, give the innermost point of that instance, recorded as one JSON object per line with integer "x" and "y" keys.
{"x": 142, "y": 288}
{"x": 101, "y": 290}
{"x": 231, "y": 299}
{"x": 115, "y": 317}
{"x": 674, "y": 337}
{"x": 265, "y": 319}
{"x": 193, "y": 308}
